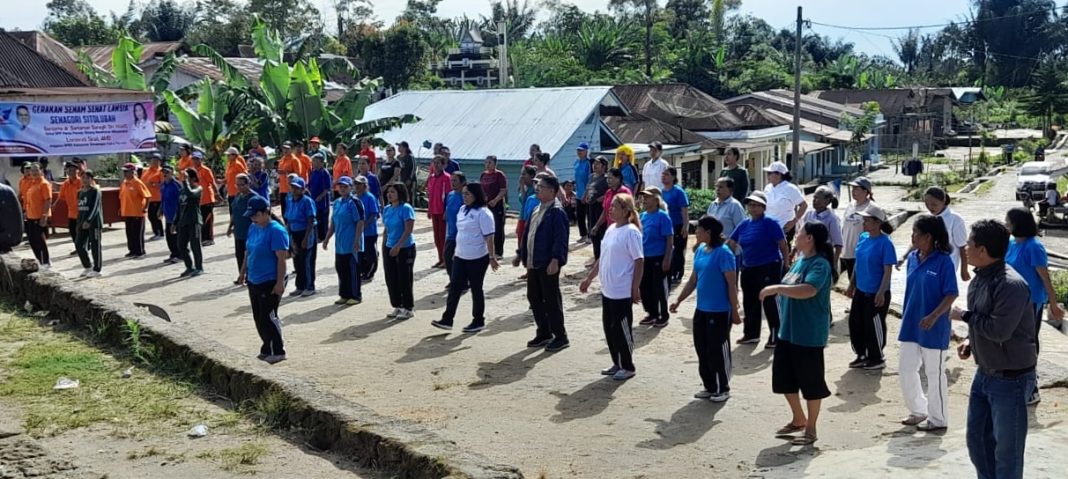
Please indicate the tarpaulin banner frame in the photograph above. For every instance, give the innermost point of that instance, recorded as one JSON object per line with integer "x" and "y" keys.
{"x": 63, "y": 129}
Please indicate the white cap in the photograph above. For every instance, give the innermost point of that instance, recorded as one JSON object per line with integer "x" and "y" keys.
{"x": 232, "y": 151}
{"x": 777, "y": 167}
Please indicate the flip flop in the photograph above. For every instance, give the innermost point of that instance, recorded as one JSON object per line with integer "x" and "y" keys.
{"x": 789, "y": 429}
{"x": 803, "y": 440}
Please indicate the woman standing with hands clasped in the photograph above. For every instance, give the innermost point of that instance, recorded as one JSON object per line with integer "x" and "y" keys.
{"x": 714, "y": 273}
{"x": 657, "y": 236}
{"x": 398, "y": 250}
{"x": 620, "y": 271}
{"x": 475, "y": 228}
{"x": 870, "y": 289}
{"x": 264, "y": 271}
{"x": 930, "y": 289}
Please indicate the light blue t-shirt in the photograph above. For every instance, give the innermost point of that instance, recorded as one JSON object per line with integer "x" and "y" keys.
{"x": 926, "y": 285}
{"x": 709, "y": 266}
{"x": 453, "y": 202}
{"x": 370, "y": 214}
{"x": 676, "y": 199}
{"x": 300, "y": 214}
{"x": 656, "y": 232}
{"x": 347, "y": 216}
{"x": 394, "y": 219}
{"x": 873, "y": 255}
{"x": 261, "y": 245}
{"x": 528, "y": 207}
{"x": 1025, "y": 257}
{"x": 807, "y": 322}
{"x": 582, "y": 177}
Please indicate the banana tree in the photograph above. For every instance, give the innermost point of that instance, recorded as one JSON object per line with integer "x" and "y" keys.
{"x": 126, "y": 72}
{"x": 204, "y": 124}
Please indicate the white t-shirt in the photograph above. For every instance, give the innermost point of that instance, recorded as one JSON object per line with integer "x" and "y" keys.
{"x": 958, "y": 233}
{"x": 651, "y": 173}
{"x": 621, "y": 246}
{"x": 472, "y": 228}
{"x": 782, "y": 200}
{"x": 1052, "y": 198}
{"x": 852, "y": 227}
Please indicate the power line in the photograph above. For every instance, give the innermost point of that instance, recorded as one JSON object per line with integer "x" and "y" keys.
{"x": 934, "y": 25}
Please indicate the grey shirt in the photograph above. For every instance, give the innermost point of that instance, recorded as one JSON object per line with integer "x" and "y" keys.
{"x": 729, "y": 213}
{"x": 1001, "y": 321}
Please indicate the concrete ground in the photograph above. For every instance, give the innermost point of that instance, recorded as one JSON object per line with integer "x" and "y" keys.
{"x": 553, "y": 415}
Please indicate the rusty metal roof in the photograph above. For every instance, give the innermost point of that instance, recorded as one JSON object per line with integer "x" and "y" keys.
{"x": 71, "y": 91}
{"x": 638, "y": 128}
{"x": 101, "y": 54}
{"x": 678, "y": 102}
{"x": 52, "y": 49}
{"x": 22, "y": 67}
{"x": 827, "y": 112}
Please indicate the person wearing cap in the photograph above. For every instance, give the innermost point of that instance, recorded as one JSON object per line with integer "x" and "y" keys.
{"x": 38, "y": 212}
{"x": 239, "y": 223}
{"x": 133, "y": 200}
{"x": 342, "y": 163}
{"x": 170, "y": 193}
{"x": 473, "y": 241}
{"x": 678, "y": 204}
{"x": 68, "y": 192}
{"x": 657, "y": 235}
{"x": 398, "y": 251}
{"x": 725, "y": 208}
{"x": 320, "y": 184}
{"x": 764, "y": 251}
{"x": 185, "y": 160}
{"x": 207, "y": 199}
{"x": 189, "y": 224}
{"x": 407, "y": 166}
{"x": 347, "y": 222}
{"x": 264, "y": 271}
{"x": 235, "y": 165}
{"x": 786, "y": 203}
{"x": 303, "y": 159}
{"x": 88, "y": 225}
{"x": 543, "y": 251}
{"x": 366, "y": 149}
{"x": 581, "y": 170}
{"x": 371, "y": 211}
{"x": 153, "y": 177}
{"x": 438, "y": 186}
{"x": 363, "y": 168}
{"x": 853, "y": 222}
{"x": 870, "y": 289}
{"x": 316, "y": 147}
{"x": 453, "y": 201}
{"x": 288, "y": 164}
{"x": 260, "y": 180}
{"x": 654, "y": 168}
{"x": 300, "y": 221}
{"x": 737, "y": 173}
{"x": 256, "y": 149}
{"x": 824, "y": 202}
{"x": 495, "y": 186}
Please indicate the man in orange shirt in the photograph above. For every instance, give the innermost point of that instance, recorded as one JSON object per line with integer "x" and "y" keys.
{"x": 68, "y": 192}
{"x": 207, "y": 199}
{"x": 38, "y": 206}
{"x": 369, "y": 152}
{"x": 342, "y": 163}
{"x": 185, "y": 160}
{"x": 133, "y": 200}
{"x": 235, "y": 165}
{"x": 287, "y": 164}
{"x": 305, "y": 160}
{"x": 153, "y": 178}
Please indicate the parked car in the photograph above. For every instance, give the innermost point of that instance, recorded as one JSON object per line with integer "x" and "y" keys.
{"x": 1031, "y": 180}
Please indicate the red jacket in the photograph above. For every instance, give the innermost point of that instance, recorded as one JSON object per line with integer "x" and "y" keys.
{"x": 436, "y": 189}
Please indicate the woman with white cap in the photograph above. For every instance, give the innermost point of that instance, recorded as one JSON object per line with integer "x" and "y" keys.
{"x": 786, "y": 203}
{"x": 824, "y": 202}
{"x": 853, "y": 223}
{"x": 870, "y": 289}
{"x": 764, "y": 250}
{"x": 347, "y": 222}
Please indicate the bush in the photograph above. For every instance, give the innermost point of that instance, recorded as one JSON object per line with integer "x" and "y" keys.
{"x": 699, "y": 201}
{"x": 1059, "y": 279}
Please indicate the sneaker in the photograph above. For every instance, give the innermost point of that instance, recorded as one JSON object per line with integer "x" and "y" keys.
{"x": 769, "y": 345}
{"x": 94, "y": 274}
{"x": 406, "y": 314}
{"x": 341, "y": 301}
{"x": 393, "y": 314}
{"x": 721, "y": 397}
{"x": 196, "y": 272}
{"x": 874, "y": 365}
{"x": 610, "y": 371}
{"x": 623, "y": 375}
{"x": 1034, "y": 398}
{"x": 44, "y": 267}
{"x": 353, "y": 302}
{"x": 85, "y": 272}
{"x": 296, "y": 292}
{"x": 660, "y": 323}
{"x": 747, "y": 341}
{"x": 139, "y": 256}
{"x": 647, "y": 321}
{"x": 557, "y": 345}
{"x": 155, "y": 237}
{"x": 927, "y": 426}
{"x": 442, "y": 325}
{"x": 307, "y": 292}
{"x": 187, "y": 272}
{"x": 275, "y": 359}
{"x": 366, "y": 280}
{"x": 128, "y": 255}
{"x": 261, "y": 356}
{"x": 857, "y": 363}
{"x": 913, "y": 420}
{"x": 474, "y": 327}
{"x": 702, "y": 394}
{"x": 207, "y": 243}
{"x": 539, "y": 342}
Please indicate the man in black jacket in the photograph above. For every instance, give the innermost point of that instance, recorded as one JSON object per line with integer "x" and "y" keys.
{"x": 1001, "y": 334}
{"x": 543, "y": 250}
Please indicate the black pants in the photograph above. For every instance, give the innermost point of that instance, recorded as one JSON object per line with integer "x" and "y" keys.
{"x": 498, "y": 231}
{"x": 265, "y": 314}
{"x": 303, "y": 260}
{"x": 348, "y": 276}
{"x": 711, "y": 334}
{"x": 239, "y": 252}
{"x": 581, "y": 213}
{"x": 172, "y": 240}
{"x": 207, "y": 232}
{"x": 189, "y": 237}
{"x": 154, "y": 219}
{"x": 322, "y": 221}
{"x": 678, "y": 253}
{"x": 86, "y": 243}
{"x": 35, "y": 233}
{"x": 543, "y": 293}
{"x": 867, "y": 325}
{"x": 595, "y": 211}
{"x": 135, "y": 235}
{"x": 654, "y": 287}
{"x": 847, "y": 265}
{"x": 467, "y": 273}
{"x": 617, "y": 318}
{"x": 369, "y": 257}
{"x": 754, "y": 279}
{"x": 282, "y": 202}
{"x": 72, "y": 227}
{"x": 399, "y": 272}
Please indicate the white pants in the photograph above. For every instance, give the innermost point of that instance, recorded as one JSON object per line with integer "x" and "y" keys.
{"x": 931, "y": 403}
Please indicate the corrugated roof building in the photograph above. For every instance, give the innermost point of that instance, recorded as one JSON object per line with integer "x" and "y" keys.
{"x": 22, "y": 67}
{"x": 51, "y": 49}
{"x": 681, "y": 105}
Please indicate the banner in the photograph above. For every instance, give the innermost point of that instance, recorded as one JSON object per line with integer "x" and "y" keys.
{"x": 55, "y": 129}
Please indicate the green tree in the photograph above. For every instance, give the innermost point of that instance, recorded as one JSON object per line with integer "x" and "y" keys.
{"x": 518, "y": 17}
{"x": 1048, "y": 94}
{"x": 75, "y": 23}
{"x": 685, "y": 16}
{"x": 352, "y": 11}
{"x": 1015, "y": 33}
{"x": 648, "y": 10}
{"x": 604, "y": 42}
{"x": 293, "y": 19}
{"x": 222, "y": 25}
{"x": 908, "y": 50}
{"x": 403, "y": 55}
{"x": 165, "y": 20}
{"x": 860, "y": 127}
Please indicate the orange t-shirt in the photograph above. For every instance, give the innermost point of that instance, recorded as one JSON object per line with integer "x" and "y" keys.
{"x": 207, "y": 185}
{"x": 235, "y": 168}
{"x": 133, "y": 196}
{"x": 342, "y": 167}
{"x": 184, "y": 163}
{"x": 288, "y": 164}
{"x": 24, "y": 184}
{"x": 38, "y": 197}
{"x": 305, "y": 166}
{"x": 152, "y": 177}
{"x": 69, "y": 192}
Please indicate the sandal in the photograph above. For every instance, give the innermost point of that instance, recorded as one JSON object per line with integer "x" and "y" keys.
{"x": 913, "y": 420}
{"x": 789, "y": 429}
{"x": 803, "y": 440}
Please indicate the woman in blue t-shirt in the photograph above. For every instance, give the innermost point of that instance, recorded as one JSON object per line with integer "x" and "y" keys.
{"x": 1028, "y": 257}
{"x": 930, "y": 289}
{"x": 713, "y": 277}
{"x": 870, "y": 289}
{"x": 266, "y": 251}
{"x": 764, "y": 249}
{"x": 300, "y": 220}
{"x": 656, "y": 249}
{"x": 398, "y": 250}
{"x": 678, "y": 206}
{"x": 347, "y": 223}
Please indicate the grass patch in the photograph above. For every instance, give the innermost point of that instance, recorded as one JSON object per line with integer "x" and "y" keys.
{"x": 241, "y": 459}
{"x": 270, "y": 410}
{"x": 984, "y": 187}
{"x": 1062, "y": 184}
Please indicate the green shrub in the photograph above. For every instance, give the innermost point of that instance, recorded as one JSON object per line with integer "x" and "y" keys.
{"x": 699, "y": 201}
{"x": 1060, "y": 285}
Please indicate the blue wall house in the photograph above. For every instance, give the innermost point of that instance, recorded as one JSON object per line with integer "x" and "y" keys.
{"x": 504, "y": 122}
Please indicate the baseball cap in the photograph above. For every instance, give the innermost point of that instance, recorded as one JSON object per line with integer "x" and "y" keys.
{"x": 777, "y": 167}
{"x": 344, "y": 180}
{"x": 297, "y": 182}
{"x": 256, "y": 204}
{"x": 129, "y": 167}
{"x": 168, "y": 168}
{"x": 155, "y": 155}
{"x": 198, "y": 155}
{"x": 287, "y": 144}
{"x": 70, "y": 164}
{"x": 873, "y": 211}
{"x": 584, "y": 146}
{"x": 232, "y": 151}
{"x": 652, "y": 190}
{"x": 656, "y": 144}
{"x": 314, "y": 139}
{"x": 361, "y": 179}
{"x": 757, "y": 196}
{"x": 861, "y": 181}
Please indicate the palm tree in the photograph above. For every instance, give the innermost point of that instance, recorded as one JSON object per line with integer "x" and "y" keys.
{"x": 649, "y": 8}
{"x": 603, "y": 42}
{"x": 908, "y": 50}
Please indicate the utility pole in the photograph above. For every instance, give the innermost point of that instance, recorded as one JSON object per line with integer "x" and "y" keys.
{"x": 797, "y": 94}
{"x": 502, "y": 65}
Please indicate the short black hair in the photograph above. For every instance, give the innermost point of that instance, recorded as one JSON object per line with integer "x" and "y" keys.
{"x": 461, "y": 176}
{"x": 552, "y": 182}
{"x": 1022, "y": 221}
{"x": 727, "y": 181}
{"x": 530, "y": 170}
{"x": 191, "y": 174}
{"x": 713, "y": 227}
{"x": 991, "y": 235}
{"x": 615, "y": 172}
{"x": 544, "y": 158}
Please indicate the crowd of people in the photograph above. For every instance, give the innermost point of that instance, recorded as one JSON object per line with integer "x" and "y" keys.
{"x": 763, "y": 255}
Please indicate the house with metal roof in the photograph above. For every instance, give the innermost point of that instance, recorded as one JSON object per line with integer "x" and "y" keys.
{"x": 505, "y": 123}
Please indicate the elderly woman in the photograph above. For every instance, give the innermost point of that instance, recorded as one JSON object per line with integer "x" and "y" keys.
{"x": 764, "y": 250}
{"x": 300, "y": 221}
{"x": 473, "y": 256}
{"x": 824, "y": 202}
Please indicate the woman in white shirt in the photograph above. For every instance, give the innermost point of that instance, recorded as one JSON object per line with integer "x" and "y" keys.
{"x": 786, "y": 203}
{"x": 853, "y": 223}
{"x": 620, "y": 271}
{"x": 937, "y": 202}
{"x": 474, "y": 254}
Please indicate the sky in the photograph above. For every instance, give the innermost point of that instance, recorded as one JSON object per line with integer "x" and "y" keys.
{"x": 778, "y": 13}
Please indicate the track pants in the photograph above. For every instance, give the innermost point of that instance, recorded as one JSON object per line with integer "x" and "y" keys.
{"x": 207, "y": 232}
{"x": 617, "y": 317}
{"x": 711, "y": 335}
{"x": 369, "y": 257}
{"x": 450, "y": 253}
{"x": 87, "y": 243}
{"x": 867, "y": 325}
{"x": 172, "y": 240}
{"x": 754, "y": 279}
{"x": 437, "y": 223}
{"x": 399, "y": 272}
{"x": 189, "y": 237}
{"x": 595, "y": 210}
{"x": 678, "y": 254}
{"x": 303, "y": 259}
{"x": 36, "y": 235}
{"x": 348, "y": 276}
{"x": 467, "y": 273}
{"x": 543, "y": 293}
{"x": 933, "y": 402}
{"x": 265, "y": 315}
{"x": 499, "y": 217}
{"x": 135, "y": 234}
{"x": 154, "y": 219}
{"x": 239, "y": 252}
{"x": 654, "y": 287}
{"x": 581, "y": 217}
